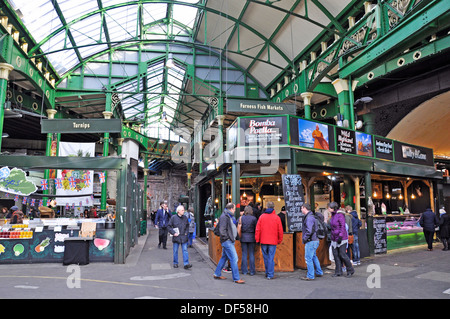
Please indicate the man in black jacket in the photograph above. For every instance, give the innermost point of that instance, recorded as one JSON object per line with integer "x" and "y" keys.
{"x": 429, "y": 222}
{"x": 178, "y": 227}
{"x": 228, "y": 234}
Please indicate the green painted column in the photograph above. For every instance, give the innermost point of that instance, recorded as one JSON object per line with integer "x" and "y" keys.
{"x": 345, "y": 100}
{"x": 107, "y": 115}
{"x": 121, "y": 212}
{"x": 145, "y": 184}
{"x": 307, "y": 103}
{"x": 369, "y": 122}
{"x": 369, "y": 215}
{"x": 5, "y": 69}
{"x": 236, "y": 186}
{"x": 48, "y": 149}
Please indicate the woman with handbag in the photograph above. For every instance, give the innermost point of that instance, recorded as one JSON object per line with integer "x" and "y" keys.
{"x": 247, "y": 238}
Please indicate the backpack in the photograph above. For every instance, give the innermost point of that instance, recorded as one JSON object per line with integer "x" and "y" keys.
{"x": 216, "y": 229}
{"x": 321, "y": 228}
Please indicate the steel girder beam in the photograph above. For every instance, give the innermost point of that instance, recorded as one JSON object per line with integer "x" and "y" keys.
{"x": 368, "y": 53}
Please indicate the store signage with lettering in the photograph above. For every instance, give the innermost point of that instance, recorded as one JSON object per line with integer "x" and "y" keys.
{"x": 81, "y": 126}
{"x": 268, "y": 131}
{"x": 413, "y": 154}
{"x": 384, "y": 148}
{"x": 264, "y": 107}
{"x": 345, "y": 141}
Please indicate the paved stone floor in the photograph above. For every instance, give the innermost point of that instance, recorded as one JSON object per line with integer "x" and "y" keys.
{"x": 413, "y": 273}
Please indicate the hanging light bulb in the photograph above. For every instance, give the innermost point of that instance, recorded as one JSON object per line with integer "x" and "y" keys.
{"x": 400, "y": 197}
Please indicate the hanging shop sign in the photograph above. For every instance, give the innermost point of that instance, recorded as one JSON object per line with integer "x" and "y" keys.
{"x": 264, "y": 107}
{"x": 263, "y": 131}
{"x": 14, "y": 181}
{"x": 81, "y": 126}
{"x": 413, "y": 154}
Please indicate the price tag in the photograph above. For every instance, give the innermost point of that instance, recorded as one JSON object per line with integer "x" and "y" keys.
{"x": 39, "y": 229}
{"x": 57, "y": 228}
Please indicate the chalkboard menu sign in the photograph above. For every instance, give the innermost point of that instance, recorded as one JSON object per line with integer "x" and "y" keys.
{"x": 294, "y": 199}
{"x": 379, "y": 236}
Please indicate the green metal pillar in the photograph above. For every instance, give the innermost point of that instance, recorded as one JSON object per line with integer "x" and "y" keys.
{"x": 349, "y": 189}
{"x": 345, "y": 100}
{"x": 48, "y": 150}
{"x": 107, "y": 114}
{"x": 369, "y": 216}
{"x": 236, "y": 186}
{"x": 307, "y": 103}
{"x": 121, "y": 211}
{"x": 369, "y": 122}
{"x": 5, "y": 69}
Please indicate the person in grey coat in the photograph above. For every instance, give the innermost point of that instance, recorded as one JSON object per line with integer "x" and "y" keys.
{"x": 178, "y": 227}
{"x": 429, "y": 222}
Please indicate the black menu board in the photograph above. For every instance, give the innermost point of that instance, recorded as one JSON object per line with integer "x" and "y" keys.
{"x": 294, "y": 199}
{"x": 379, "y": 235}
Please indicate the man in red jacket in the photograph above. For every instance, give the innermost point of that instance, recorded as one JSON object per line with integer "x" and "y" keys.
{"x": 269, "y": 233}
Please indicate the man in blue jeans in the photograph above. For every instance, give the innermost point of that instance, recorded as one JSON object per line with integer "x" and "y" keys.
{"x": 179, "y": 227}
{"x": 228, "y": 233}
{"x": 311, "y": 241}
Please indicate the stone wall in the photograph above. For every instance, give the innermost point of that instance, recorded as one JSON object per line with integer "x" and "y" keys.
{"x": 168, "y": 186}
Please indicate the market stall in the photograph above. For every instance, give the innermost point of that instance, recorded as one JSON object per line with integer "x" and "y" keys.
{"x": 328, "y": 163}
{"x": 43, "y": 240}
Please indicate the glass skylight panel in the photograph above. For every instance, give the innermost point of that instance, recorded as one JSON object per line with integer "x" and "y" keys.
{"x": 75, "y": 9}
{"x": 63, "y": 61}
{"x": 121, "y": 23}
{"x": 154, "y": 12}
{"x": 33, "y": 17}
{"x": 185, "y": 14}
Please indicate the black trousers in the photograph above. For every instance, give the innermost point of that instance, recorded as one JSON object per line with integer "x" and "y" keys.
{"x": 340, "y": 256}
{"x": 429, "y": 238}
{"x": 163, "y": 231}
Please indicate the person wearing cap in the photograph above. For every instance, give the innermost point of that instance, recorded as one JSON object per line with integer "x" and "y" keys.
{"x": 11, "y": 211}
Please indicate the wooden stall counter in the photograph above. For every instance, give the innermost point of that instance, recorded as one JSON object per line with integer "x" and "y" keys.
{"x": 284, "y": 256}
{"x": 322, "y": 252}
